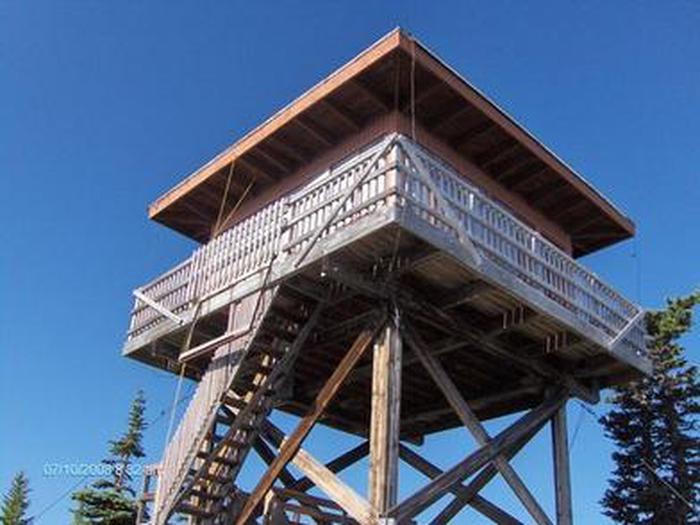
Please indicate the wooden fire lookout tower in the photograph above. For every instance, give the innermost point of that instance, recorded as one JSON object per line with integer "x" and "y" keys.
{"x": 390, "y": 255}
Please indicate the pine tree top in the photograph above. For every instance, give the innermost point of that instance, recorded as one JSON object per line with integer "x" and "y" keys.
{"x": 129, "y": 444}
{"x": 15, "y": 502}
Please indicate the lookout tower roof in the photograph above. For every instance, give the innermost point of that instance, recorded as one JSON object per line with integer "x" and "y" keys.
{"x": 396, "y": 75}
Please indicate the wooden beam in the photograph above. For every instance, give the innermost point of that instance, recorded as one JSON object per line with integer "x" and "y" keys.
{"x": 312, "y": 129}
{"x": 385, "y": 418}
{"x": 342, "y": 494}
{"x": 479, "y": 503}
{"x": 258, "y": 173}
{"x": 353, "y": 124}
{"x": 437, "y": 488}
{"x": 465, "y": 294}
{"x": 522, "y": 176}
{"x": 291, "y": 446}
{"x": 493, "y": 512}
{"x": 272, "y": 159}
{"x": 443, "y": 321}
{"x": 497, "y": 153}
{"x": 562, "y": 475}
{"x": 477, "y": 404}
{"x": 340, "y": 463}
{"x": 446, "y": 117}
{"x": 324, "y": 478}
{"x": 480, "y": 481}
{"x": 296, "y": 153}
{"x": 268, "y": 456}
{"x": 472, "y": 133}
{"x": 472, "y": 423}
{"x": 371, "y": 95}
{"x": 158, "y": 307}
{"x": 422, "y": 95}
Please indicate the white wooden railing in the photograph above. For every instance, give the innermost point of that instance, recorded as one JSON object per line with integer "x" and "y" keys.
{"x": 515, "y": 247}
{"x": 285, "y": 227}
{"x": 246, "y": 248}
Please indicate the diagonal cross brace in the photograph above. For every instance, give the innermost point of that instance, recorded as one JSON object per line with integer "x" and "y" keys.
{"x": 626, "y": 330}
{"x": 323, "y": 477}
{"x": 369, "y": 169}
{"x": 292, "y": 445}
{"x": 468, "y": 492}
{"x": 449, "y": 215}
{"x": 472, "y": 423}
{"x": 451, "y": 478}
{"x": 479, "y": 503}
{"x": 159, "y": 307}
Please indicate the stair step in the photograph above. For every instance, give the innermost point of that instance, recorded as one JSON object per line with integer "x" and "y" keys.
{"x": 248, "y": 387}
{"x": 203, "y": 495}
{"x": 253, "y": 369}
{"x": 234, "y": 443}
{"x": 208, "y": 476}
{"x": 235, "y": 402}
{"x": 217, "y": 459}
{"x": 192, "y": 510}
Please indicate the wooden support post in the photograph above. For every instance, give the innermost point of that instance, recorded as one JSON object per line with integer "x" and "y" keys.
{"x": 384, "y": 427}
{"x": 290, "y": 447}
{"x": 562, "y": 476}
{"x": 472, "y": 423}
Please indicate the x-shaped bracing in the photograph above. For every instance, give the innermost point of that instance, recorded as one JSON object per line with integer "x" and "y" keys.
{"x": 472, "y": 423}
{"x": 477, "y": 460}
{"x": 491, "y": 458}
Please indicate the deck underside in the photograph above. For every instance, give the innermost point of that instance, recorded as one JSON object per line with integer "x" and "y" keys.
{"x": 501, "y": 352}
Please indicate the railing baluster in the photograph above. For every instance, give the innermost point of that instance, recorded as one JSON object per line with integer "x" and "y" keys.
{"x": 248, "y": 246}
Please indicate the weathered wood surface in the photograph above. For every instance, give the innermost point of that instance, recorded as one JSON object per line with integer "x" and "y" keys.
{"x": 452, "y": 477}
{"x": 477, "y": 502}
{"x": 367, "y": 201}
{"x": 562, "y": 475}
{"x": 293, "y": 443}
{"x": 385, "y": 419}
{"x": 235, "y": 394}
{"x": 307, "y": 222}
{"x": 472, "y": 423}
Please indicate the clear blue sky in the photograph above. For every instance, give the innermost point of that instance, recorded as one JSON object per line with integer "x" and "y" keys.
{"x": 103, "y": 105}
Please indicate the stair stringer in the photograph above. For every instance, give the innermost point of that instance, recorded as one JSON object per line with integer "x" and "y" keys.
{"x": 201, "y": 413}
{"x": 213, "y": 487}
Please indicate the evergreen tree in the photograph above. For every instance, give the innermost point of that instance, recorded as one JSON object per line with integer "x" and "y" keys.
{"x": 654, "y": 427}
{"x": 111, "y": 501}
{"x": 16, "y": 502}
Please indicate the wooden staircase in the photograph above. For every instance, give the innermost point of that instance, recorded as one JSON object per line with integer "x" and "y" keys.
{"x": 235, "y": 395}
